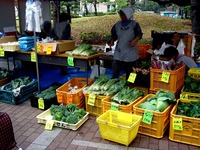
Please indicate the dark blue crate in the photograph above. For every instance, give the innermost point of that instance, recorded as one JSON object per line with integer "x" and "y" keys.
{"x": 7, "y": 96}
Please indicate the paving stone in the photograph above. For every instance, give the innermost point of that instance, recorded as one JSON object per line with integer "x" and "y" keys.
{"x": 60, "y": 137}
{"x": 91, "y": 148}
{"x": 88, "y": 136}
{"x": 183, "y": 146}
{"x": 24, "y": 145}
{"x": 96, "y": 139}
{"x": 82, "y": 148}
{"x": 18, "y": 133}
{"x": 72, "y": 147}
{"x": 36, "y": 147}
{"x": 32, "y": 137}
{"x": 21, "y": 139}
{"x": 144, "y": 142}
{"x": 191, "y": 147}
{"x": 105, "y": 141}
{"x": 153, "y": 146}
{"x": 53, "y": 145}
{"x": 153, "y": 141}
{"x": 29, "y": 131}
{"x": 172, "y": 143}
{"x": 163, "y": 144}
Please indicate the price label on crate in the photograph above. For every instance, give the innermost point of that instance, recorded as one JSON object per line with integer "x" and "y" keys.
{"x": 38, "y": 47}
{"x": 49, "y": 125}
{"x": 165, "y": 77}
{"x": 177, "y": 124}
{"x": 184, "y": 96}
{"x": 147, "y": 117}
{"x": 114, "y": 106}
{"x": 70, "y": 61}
{"x": 91, "y": 99}
{"x": 49, "y": 50}
{"x": 40, "y": 103}
{"x": 69, "y": 98}
{"x": 132, "y": 77}
{"x": 33, "y": 57}
{"x": 2, "y": 53}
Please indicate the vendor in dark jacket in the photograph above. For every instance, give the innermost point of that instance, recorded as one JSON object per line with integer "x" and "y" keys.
{"x": 172, "y": 53}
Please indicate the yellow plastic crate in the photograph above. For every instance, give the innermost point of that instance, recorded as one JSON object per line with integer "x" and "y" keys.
{"x": 191, "y": 96}
{"x": 118, "y": 126}
{"x": 160, "y": 121}
{"x": 106, "y": 104}
{"x": 191, "y": 128}
{"x": 194, "y": 73}
{"x": 63, "y": 95}
{"x": 95, "y": 110}
{"x": 43, "y": 117}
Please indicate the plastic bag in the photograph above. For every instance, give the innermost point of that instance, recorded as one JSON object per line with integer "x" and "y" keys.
{"x": 193, "y": 45}
{"x": 162, "y": 49}
{"x": 181, "y": 47}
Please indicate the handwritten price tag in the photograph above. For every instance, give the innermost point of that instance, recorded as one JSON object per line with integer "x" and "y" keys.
{"x": 2, "y": 53}
{"x": 33, "y": 57}
{"x": 114, "y": 106}
{"x": 49, "y": 124}
{"x": 70, "y": 61}
{"x": 38, "y": 47}
{"x": 40, "y": 103}
{"x": 177, "y": 124}
{"x": 69, "y": 98}
{"x": 184, "y": 96}
{"x": 165, "y": 77}
{"x": 49, "y": 50}
{"x": 91, "y": 99}
{"x": 132, "y": 77}
{"x": 147, "y": 117}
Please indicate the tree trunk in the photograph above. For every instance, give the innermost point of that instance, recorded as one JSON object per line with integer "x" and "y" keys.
{"x": 95, "y": 8}
{"x": 86, "y": 9}
{"x": 69, "y": 12}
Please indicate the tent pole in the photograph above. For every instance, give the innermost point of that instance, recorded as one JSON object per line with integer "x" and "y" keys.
{"x": 36, "y": 63}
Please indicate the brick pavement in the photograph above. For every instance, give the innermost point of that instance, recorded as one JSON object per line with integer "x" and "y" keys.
{"x": 27, "y": 130}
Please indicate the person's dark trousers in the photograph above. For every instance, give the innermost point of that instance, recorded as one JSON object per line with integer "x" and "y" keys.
{"x": 127, "y": 66}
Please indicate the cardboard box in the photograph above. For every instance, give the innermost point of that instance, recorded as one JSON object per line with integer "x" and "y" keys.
{"x": 6, "y": 39}
{"x": 57, "y": 47}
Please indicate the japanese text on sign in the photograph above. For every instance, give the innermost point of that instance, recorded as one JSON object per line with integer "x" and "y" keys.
{"x": 132, "y": 77}
{"x": 40, "y": 103}
{"x": 177, "y": 124}
{"x": 49, "y": 124}
{"x": 2, "y": 53}
{"x": 165, "y": 77}
{"x": 114, "y": 106}
{"x": 147, "y": 117}
{"x": 33, "y": 57}
{"x": 70, "y": 61}
{"x": 91, "y": 99}
{"x": 183, "y": 96}
{"x": 49, "y": 50}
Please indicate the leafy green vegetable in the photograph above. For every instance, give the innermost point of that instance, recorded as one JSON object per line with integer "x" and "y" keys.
{"x": 191, "y": 85}
{"x": 191, "y": 109}
{"x": 19, "y": 82}
{"x": 159, "y": 102}
{"x": 48, "y": 93}
{"x": 70, "y": 114}
{"x": 4, "y": 74}
{"x": 84, "y": 50}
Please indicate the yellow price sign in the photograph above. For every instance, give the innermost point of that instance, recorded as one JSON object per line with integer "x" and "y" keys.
{"x": 165, "y": 77}
{"x": 49, "y": 125}
{"x": 49, "y": 50}
{"x": 177, "y": 124}
{"x": 91, "y": 99}
{"x": 33, "y": 57}
{"x": 132, "y": 77}
{"x": 147, "y": 117}
{"x": 114, "y": 106}
{"x": 184, "y": 96}
{"x": 40, "y": 103}
{"x": 38, "y": 47}
{"x": 2, "y": 53}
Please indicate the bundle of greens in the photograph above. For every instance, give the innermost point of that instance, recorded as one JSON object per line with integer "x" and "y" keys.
{"x": 19, "y": 82}
{"x": 191, "y": 85}
{"x": 3, "y": 74}
{"x": 84, "y": 50}
{"x": 126, "y": 96}
{"x": 191, "y": 109}
{"x": 70, "y": 113}
{"x": 105, "y": 86}
{"x": 159, "y": 102}
{"x": 48, "y": 93}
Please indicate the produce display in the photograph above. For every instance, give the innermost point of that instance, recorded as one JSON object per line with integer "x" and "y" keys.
{"x": 3, "y": 74}
{"x": 84, "y": 50}
{"x": 191, "y": 109}
{"x": 191, "y": 85}
{"x": 126, "y": 96}
{"x": 157, "y": 64}
{"x": 159, "y": 102}
{"x": 16, "y": 83}
{"x": 70, "y": 113}
{"x": 105, "y": 86}
{"x": 72, "y": 89}
{"x": 48, "y": 93}
{"x": 144, "y": 68}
